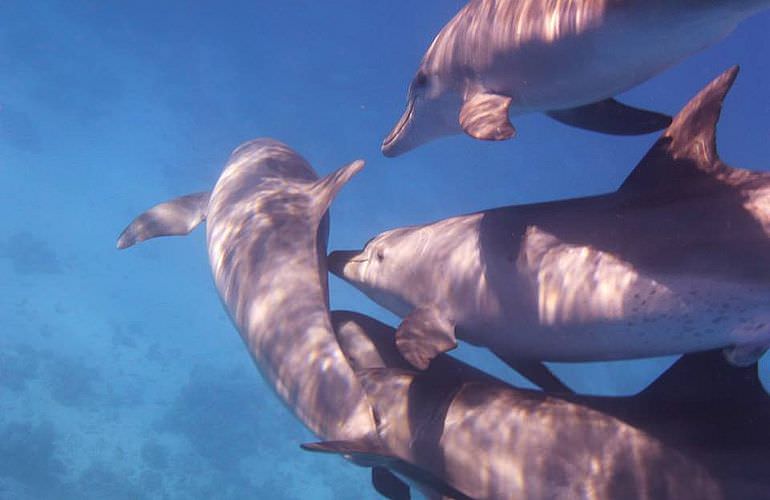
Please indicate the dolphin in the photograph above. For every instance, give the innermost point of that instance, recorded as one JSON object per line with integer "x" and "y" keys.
{"x": 566, "y": 58}
{"x": 700, "y": 431}
{"x": 675, "y": 261}
{"x": 266, "y": 232}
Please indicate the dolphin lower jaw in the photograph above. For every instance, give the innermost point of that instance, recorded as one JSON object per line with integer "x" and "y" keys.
{"x": 393, "y": 145}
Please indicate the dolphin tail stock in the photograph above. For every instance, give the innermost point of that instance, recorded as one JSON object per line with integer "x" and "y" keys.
{"x": 373, "y": 455}
{"x": 176, "y": 217}
{"x": 325, "y": 189}
{"x": 612, "y": 117}
{"x": 687, "y": 149}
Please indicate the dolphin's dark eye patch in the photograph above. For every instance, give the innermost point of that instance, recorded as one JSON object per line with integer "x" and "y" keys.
{"x": 380, "y": 255}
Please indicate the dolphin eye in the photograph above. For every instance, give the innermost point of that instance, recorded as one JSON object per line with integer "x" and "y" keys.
{"x": 420, "y": 80}
{"x": 380, "y": 255}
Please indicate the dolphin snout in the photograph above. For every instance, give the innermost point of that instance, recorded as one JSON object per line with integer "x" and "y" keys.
{"x": 395, "y": 143}
{"x": 340, "y": 260}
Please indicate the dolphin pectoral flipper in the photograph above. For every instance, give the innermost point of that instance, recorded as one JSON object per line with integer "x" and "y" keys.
{"x": 171, "y": 218}
{"x": 424, "y": 334}
{"x": 537, "y": 373}
{"x": 612, "y": 117}
{"x": 484, "y": 116}
{"x": 369, "y": 454}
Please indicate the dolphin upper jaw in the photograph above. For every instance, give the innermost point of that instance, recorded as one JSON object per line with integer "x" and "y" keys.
{"x": 427, "y": 117}
{"x": 346, "y": 264}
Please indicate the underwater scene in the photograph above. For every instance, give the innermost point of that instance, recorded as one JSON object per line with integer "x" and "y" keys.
{"x": 545, "y": 226}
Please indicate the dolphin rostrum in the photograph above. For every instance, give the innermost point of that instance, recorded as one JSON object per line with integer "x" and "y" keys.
{"x": 566, "y": 58}
{"x": 677, "y": 260}
{"x": 702, "y": 430}
{"x": 266, "y": 233}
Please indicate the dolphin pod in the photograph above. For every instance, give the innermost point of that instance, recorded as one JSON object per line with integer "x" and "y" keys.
{"x": 677, "y": 260}
{"x": 567, "y": 58}
{"x": 453, "y": 431}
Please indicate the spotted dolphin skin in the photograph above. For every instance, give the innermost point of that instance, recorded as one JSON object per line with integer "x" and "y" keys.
{"x": 677, "y": 260}
{"x": 266, "y": 233}
{"x": 702, "y": 430}
{"x": 566, "y": 58}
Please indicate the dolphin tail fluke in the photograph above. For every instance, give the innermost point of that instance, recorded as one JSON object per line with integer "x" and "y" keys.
{"x": 687, "y": 149}
{"x": 612, "y": 117}
{"x": 172, "y": 218}
{"x": 373, "y": 455}
{"x": 326, "y": 189}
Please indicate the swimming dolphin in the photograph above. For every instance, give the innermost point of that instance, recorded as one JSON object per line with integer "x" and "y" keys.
{"x": 566, "y": 58}
{"x": 702, "y": 430}
{"x": 266, "y": 233}
{"x": 677, "y": 260}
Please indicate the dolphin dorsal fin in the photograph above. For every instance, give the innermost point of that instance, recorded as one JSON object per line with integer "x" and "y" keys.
{"x": 707, "y": 376}
{"x": 687, "y": 149}
{"x": 324, "y": 190}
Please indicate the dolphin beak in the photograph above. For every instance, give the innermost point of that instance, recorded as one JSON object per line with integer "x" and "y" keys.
{"x": 342, "y": 263}
{"x": 394, "y": 144}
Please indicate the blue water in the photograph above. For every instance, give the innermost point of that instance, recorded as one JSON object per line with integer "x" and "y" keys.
{"x": 120, "y": 374}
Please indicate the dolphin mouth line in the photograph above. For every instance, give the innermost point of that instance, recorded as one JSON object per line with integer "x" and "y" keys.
{"x": 397, "y": 132}
{"x": 338, "y": 259}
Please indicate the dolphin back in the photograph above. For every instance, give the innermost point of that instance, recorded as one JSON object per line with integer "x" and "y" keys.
{"x": 266, "y": 243}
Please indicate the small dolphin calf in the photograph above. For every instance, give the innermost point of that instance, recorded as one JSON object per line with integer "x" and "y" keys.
{"x": 702, "y": 430}
{"x": 676, "y": 261}
{"x": 566, "y": 58}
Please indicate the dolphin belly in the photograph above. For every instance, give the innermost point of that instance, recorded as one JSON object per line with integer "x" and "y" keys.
{"x": 618, "y": 55}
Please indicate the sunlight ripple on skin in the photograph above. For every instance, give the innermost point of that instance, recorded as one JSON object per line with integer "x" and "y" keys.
{"x": 266, "y": 234}
{"x": 264, "y": 253}
{"x": 493, "y": 441}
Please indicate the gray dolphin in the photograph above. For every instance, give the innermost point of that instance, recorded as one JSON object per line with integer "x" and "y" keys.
{"x": 566, "y": 58}
{"x": 266, "y": 233}
{"x": 677, "y": 260}
{"x": 702, "y": 430}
